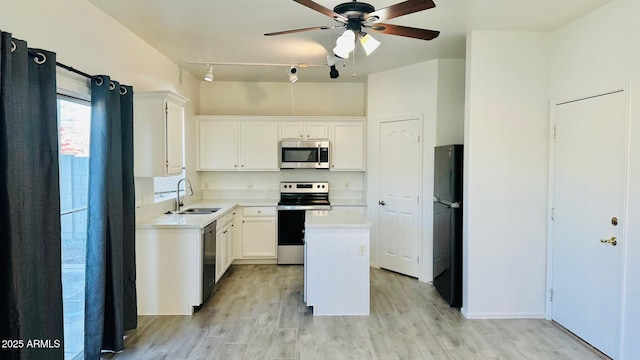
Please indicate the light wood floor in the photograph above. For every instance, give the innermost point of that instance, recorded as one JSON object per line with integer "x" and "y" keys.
{"x": 258, "y": 313}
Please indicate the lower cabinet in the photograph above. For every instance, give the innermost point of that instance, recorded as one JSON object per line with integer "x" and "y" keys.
{"x": 259, "y": 232}
{"x": 168, "y": 271}
{"x": 225, "y": 237}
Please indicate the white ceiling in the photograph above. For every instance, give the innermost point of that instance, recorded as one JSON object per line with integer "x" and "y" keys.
{"x": 232, "y": 31}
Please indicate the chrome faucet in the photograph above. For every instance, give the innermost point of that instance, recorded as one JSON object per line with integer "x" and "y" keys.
{"x": 186, "y": 186}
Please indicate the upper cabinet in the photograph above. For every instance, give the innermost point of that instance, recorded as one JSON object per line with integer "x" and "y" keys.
{"x": 304, "y": 130}
{"x": 217, "y": 145}
{"x": 250, "y": 143}
{"x": 347, "y": 146}
{"x": 231, "y": 145}
{"x": 259, "y": 146}
{"x": 158, "y": 133}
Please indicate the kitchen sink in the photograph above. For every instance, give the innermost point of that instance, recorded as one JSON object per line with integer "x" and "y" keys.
{"x": 199, "y": 211}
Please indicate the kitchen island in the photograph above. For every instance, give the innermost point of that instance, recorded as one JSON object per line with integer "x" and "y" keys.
{"x": 336, "y": 270}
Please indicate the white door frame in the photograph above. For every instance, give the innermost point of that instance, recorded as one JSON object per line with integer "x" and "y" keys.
{"x": 421, "y": 247}
{"x": 551, "y": 200}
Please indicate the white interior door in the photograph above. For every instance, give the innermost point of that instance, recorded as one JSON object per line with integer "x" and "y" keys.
{"x": 589, "y": 193}
{"x": 400, "y": 187}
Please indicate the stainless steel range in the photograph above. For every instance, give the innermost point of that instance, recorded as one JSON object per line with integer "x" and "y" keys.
{"x": 295, "y": 199}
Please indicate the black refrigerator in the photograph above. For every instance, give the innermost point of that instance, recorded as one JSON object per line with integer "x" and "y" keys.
{"x": 447, "y": 223}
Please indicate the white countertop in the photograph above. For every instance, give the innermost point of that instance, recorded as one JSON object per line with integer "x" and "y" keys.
{"x": 347, "y": 202}
{"x": 336, "y": 218}
{"x": 193, "y": 221}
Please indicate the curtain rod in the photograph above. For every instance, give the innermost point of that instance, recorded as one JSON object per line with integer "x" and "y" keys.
{"x": 75, "y": 71}
{"x": 34, "y": 53}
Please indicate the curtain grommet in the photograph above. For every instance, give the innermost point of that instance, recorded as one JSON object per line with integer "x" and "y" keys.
{"x": 123, "y": 90}
{"x": 13, "y": 46}
{"x": 112, "y": 86}
{"x": 99, "y": 81}
{"x": 39, "y": 61}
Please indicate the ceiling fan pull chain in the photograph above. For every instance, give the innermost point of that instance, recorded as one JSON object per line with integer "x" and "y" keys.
{"x": 353, "y": 72}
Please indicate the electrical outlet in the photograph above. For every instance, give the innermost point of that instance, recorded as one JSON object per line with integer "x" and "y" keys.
{"x": 362, "y": 250}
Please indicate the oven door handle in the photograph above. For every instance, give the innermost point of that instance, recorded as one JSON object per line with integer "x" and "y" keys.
{"x": 304, "y": 207}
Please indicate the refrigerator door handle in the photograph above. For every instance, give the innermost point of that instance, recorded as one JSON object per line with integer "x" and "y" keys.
{"x": 445, "y": 202}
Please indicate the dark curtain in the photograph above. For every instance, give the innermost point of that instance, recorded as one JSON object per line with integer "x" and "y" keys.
{"x": 110, "y": 295}
{"x": 30, "y": 250}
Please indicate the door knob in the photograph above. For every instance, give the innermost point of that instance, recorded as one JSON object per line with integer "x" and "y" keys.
{"x": 381, "y": 203}
{"x": 613, "y": 241}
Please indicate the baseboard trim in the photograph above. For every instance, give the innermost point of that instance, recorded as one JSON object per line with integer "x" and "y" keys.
{"x": 501, "y": 316}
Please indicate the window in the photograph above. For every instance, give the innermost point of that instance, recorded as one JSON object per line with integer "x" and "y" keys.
{"x": 74, "y": 120}
{"x": 165, "y": 187}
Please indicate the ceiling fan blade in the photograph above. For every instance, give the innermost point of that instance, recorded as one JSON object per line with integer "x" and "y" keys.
{"x": 406, "y": 31}
{"x": 399, "y": 9}
{"x": 321, "y": 9}
{"x": 303, "y": 29}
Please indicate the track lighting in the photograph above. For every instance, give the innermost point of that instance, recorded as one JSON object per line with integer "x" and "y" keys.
{"x": 293, "y": 74}
{"x": 369, "y": 44}
{"x": 209, "y": 75}
{"x": 331, "y": 61}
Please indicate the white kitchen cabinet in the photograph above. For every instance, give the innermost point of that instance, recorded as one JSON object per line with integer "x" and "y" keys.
{"x": 225, "y": 228}
{"x": 259, "y": 146}
{"x": 158, "y": 133}
{"x": 347, "y": 146}
{"x": 237, "y": 145}
{"x": 304, "y": 130}
{"x": 336, "y": 268}
{"x": 168, "y": 271}
{"x": 218, "y": 145}
{"x": 237, "y": 233}
{"x": 259, "y": 232}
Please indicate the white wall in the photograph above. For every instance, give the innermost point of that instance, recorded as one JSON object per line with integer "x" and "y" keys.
{"x": 506, "y": 175}
{"x": 597, "y": 53}
{"x": 266, "y": 185}
{"x": 87, "y": 39}
{"x": 406, "y": 93}
{"x": 282, "y": 98}
{"x": 450, "y": 111}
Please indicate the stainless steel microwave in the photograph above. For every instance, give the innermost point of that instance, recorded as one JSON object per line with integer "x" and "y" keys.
{"x": 304, "y": 154}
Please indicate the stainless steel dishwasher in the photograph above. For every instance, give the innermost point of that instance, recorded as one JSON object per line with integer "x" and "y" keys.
{"x": 208, "y": 260}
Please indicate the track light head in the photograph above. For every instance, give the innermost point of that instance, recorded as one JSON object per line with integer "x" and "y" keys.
{"x": 293, "y": 74}
{"x": 333, "y": 72}
{"x": 332, "y": 60}
{"x": 209, "y": 75}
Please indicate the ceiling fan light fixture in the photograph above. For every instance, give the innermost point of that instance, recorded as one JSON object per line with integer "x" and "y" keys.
{"x": 345, "y": 44}
{"x": 342, "y": 53}
{"x": 369, "y": 44}
{"x": 209, "y": 75}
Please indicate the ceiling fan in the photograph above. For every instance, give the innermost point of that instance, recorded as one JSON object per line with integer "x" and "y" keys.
{"x": 358, "y": 16}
